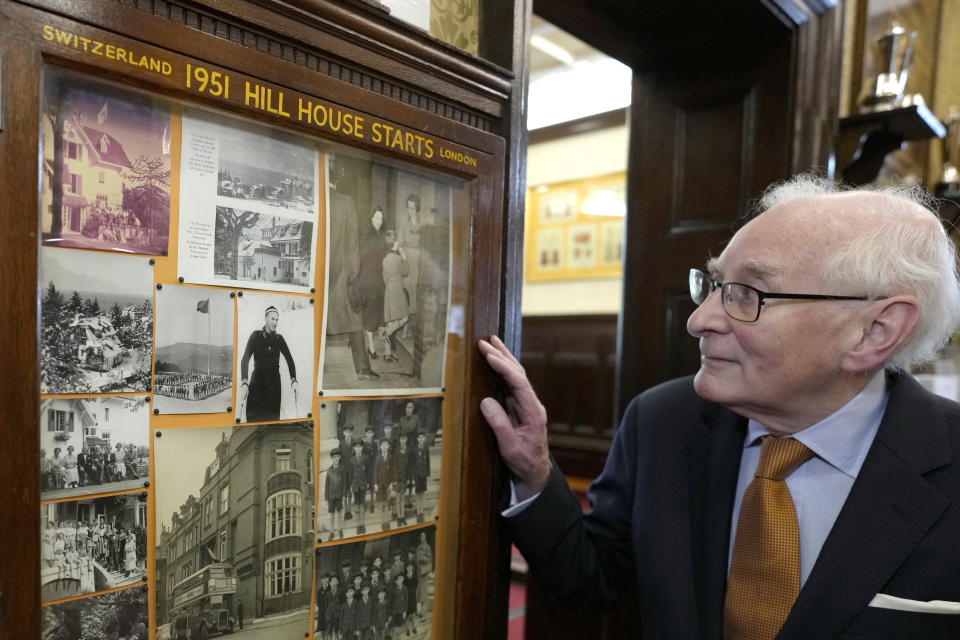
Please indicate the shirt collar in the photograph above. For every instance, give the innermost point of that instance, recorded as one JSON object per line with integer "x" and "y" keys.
{"x": 843, "y": 438}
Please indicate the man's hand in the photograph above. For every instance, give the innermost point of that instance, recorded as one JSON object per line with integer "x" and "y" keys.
{"x": 521, "y": 429}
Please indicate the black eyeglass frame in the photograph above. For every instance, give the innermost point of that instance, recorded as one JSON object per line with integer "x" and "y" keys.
{"x": 761, "y": 295}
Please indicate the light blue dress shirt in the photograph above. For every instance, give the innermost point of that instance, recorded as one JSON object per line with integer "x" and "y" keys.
{"x": 820, "y": 486}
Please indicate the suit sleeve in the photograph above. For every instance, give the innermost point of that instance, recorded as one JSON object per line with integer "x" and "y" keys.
{"x": 584, "y": 560}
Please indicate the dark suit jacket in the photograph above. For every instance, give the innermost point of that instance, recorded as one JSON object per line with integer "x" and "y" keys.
{"x": 661, "y": 511}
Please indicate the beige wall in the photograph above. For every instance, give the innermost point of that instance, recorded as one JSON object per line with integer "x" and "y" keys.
{"x": 581, "y": 156}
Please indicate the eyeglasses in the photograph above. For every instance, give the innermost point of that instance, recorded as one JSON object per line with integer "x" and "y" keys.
{"x": 741, "y": 301}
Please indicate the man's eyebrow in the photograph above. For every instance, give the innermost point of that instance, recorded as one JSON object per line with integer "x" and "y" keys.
{"x": 754, "y": 268}
{"x": 713, "y": 268}
{"x": 760, "y": 268}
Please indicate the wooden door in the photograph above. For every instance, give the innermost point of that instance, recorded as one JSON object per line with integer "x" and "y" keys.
{"x": 727, "y": 98}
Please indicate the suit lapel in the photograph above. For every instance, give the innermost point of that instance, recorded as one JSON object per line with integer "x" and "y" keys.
{"x": 714, "y": 466}
{"x": 889, "y": 510}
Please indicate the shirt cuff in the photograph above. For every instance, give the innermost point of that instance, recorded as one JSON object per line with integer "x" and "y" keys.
{"x": 516, "y": 508}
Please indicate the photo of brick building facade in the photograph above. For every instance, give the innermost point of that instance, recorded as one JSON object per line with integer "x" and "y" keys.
{"x": 237, "y": 549}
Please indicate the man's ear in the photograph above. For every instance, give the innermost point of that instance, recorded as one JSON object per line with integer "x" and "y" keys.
{"x": 887, "y": 325}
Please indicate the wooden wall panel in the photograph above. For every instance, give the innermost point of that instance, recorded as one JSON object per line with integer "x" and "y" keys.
{"x": 709, "y": 136}
{"x": 571, "y": 361}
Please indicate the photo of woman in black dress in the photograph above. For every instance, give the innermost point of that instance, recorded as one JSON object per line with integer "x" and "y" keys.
{"x": 260, "y": 398}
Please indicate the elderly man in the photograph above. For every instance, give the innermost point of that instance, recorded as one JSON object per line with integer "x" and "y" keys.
{"x": 801, "y": 485}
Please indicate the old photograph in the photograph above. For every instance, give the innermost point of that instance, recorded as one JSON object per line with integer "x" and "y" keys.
{"x": 387, "y": 280}
{"x": 381, "y": 588}
{"x": 193, "y": 372}
{"x": 251, "y": 220}
{"x": 116, "y": 615}
{"x": 378, "y": 465}
{"x": 93, "y": 445}
{"x": 106, "y": 166}
{"x": 275, "y": 335}
{"x": 280, "y": 174}
{"x": 92, "y": 544}
{"x": 251, "y": 247}
{"x": 235, "y": 537}
{"x": 96, "y": 322}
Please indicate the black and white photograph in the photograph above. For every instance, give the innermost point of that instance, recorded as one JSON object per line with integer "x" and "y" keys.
{"x": 93, "y": 445}
{"x": 280, "y": 174}
{"x": 381, "y": 588}
{"x": 193, "y": 372}
{"x": 92, "y": 544}
{"x": 378, "y": 464}
{"x": 96, "y": 322}
{"x": 275, "y": 336}
{"x": 235, "y": 535}
{"x": 387, "y": 280}
{"x": 106, "y": 166}
{"x": 118, "y": 615}
{"x": 251, "y": 220}
{"x": 252, "y": 248}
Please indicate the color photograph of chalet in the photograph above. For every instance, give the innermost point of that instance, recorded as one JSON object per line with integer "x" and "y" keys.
{"x": 96, "y": 322}
{"x": 106, "y": 167}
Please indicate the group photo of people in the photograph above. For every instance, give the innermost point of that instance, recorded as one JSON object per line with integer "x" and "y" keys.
{"x": 190, "y": 386}
{"x": 388, "y": 278}
{"x": 93, "y": 445}
{"x": 379, "y": 465}
{"x": 376, "y": 589}
{"x": 92, "y": 545}
{"x": 93, "y": 465}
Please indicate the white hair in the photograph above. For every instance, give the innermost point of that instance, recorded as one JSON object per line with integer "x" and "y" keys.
{"x": 891, "y": 258}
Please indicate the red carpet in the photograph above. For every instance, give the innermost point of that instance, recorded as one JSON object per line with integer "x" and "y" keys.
{"x": 515, "y": 618}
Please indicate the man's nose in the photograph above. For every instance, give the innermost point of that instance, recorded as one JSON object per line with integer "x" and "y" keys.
{"x": 709, "y": 316}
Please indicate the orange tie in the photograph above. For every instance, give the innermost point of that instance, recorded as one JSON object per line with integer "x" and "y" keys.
{"x": 765, "y": 569}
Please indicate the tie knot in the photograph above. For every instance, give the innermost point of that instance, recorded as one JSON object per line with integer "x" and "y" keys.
{"x": 780, "y": 456}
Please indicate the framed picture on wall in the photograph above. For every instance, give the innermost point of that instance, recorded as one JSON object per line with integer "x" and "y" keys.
{"x": 575, "y": 229}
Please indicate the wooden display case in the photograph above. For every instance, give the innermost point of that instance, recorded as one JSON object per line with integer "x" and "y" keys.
{"x": 339, "y": 80}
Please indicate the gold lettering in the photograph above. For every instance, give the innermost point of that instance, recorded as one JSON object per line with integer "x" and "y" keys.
{"x": 85, "y": 42}
{"x": 111, "y": 52}
{"x": 408, "y": 142}
{"x": 386, "y": 134}
{"x": 375, "y": 130}
{"x": 320, "y": 119}
{"x": 358, "y": 126}
{"x": 64, "y": 37}
{"x": 285, "y": 114}
{"x": 255, "y": 95}
{"x": 429, "y": 145}
{"x": 97, "y": 46}
{"x": 301, "y": 112}
{"x": 47, "y": 32}
{"x": 122, "y": 55}
{"x": 397, "y": 140}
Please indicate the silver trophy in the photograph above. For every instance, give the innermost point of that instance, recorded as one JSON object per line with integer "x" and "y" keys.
{"x": 893, "y": 54}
